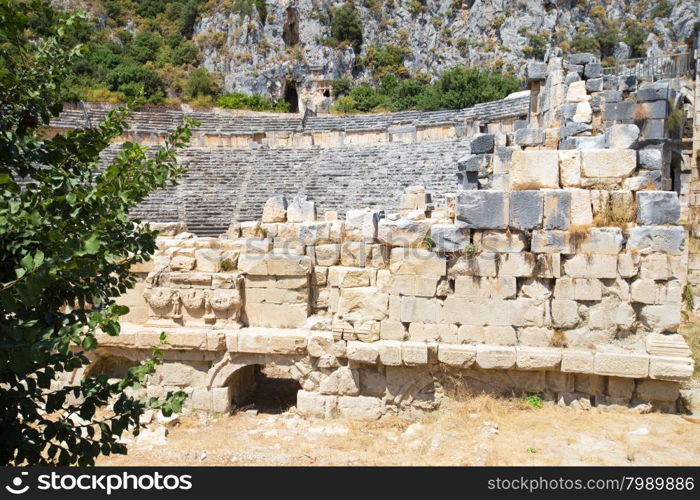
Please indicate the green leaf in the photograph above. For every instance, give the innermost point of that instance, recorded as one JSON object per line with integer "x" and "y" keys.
{"x": 92, "y": 245}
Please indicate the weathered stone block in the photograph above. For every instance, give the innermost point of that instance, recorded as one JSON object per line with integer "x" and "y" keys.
{"x": 671, "y": 368}
{"x": 658, "y": 207}
{"x": 275, "y": 209}
{"x": 529, "y": 137}
{"x": 534, "y": 170}
{"x": 550, "y": 242}
{"x": 483, "y": 209}
{"x": 591, "y": 266}
{"x": 500, "y": 241}
{"x": 313, "y": 404}
{"x": 403, "y": 232}
{"x": 301, "y": 209}
{"x": 392, "y": 329}
{"x": 417, "y": 261}
{"x": 361, "y": 225}
{"x": 414, "y": 353}
{"x": 565, "y": 313}
{"x": 577, "y": 361}
{"x": 657, "y": 390}
{"x": 622, "y": 136}
{"x": 570, "y": 168}
{"x": 537, "y": 358}
{"x": 495, "y": 357}
{"x": 462, "y": 356}
{"x": 516, "y": 264}
{"x": 360, "y": 407}
{"x": 362, "y": 304}
{"x": 622, "y": 364}
{"x": 474, "y": 287}
{"x": 482, "y": 144}
{"x": 277, "y": 315}
{"x": 669, "y": 240}
{"x": 661, "y": 318}
{"x": 483, "y": 264}
{"x": 362, "y": 352}
{"x": 651, "y": 159}
{"x": 606, "y": 163}
{"x": 449, "y": 237}
{"x": 526, "y": 210}
{"x": 557, "y": 209}
{"x": 421, "y": 286}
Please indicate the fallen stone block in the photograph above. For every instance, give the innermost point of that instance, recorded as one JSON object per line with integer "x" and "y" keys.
{"x": 301, "y": 209}
{"x": 275, "y": 209}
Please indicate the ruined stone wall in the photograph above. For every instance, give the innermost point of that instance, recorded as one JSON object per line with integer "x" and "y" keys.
{"x": 555, "y": 266}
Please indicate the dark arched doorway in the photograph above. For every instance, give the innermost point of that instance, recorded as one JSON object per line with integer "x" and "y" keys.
{"x": 291, "y": 96}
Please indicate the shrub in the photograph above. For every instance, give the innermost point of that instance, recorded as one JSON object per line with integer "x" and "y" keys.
{"x": 341, "y": 86}
{"x": 344, "y": 105}
{"x": 584, "y": 43}
{"x": 636, "y": 37}
{"x": 661, "y": 9}
{"x": 254, "y": 102}
{"x": 460, "y": 88}
{"x": 200, "y": 83}
{"x": 185, "y": 53}
{"x": 538, "y": 45}
{"x": 346, "y": 27}
{"x": 607, "y": 39}
{"x": 132, "y": 79}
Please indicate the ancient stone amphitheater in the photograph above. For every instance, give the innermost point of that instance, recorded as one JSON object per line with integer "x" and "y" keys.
{"x": 529, "y": 245}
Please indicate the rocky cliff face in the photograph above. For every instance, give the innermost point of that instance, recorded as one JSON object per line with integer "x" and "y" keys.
{"x": 287, "y": 48}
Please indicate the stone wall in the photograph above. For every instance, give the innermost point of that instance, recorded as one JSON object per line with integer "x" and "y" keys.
{"x": 555, "y": 265}
{"x": 240, "y": 129}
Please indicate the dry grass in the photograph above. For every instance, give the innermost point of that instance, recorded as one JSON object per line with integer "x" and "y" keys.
{"x": 468, "y": 430}
{"x": 578, "y": 234}
{"x": 615, "y": 211}
{"x": 527, "y": 186}
{"x": 558, "y": 339}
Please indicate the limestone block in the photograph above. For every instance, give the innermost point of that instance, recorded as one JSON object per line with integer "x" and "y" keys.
{"x": 534, "y": 170}
{"x": 535, "y": 336}
{"x": 577, "y": 361}
{"x": 591, "y": 266}
{"x": 647, "y": 239}
{"x": 208, "y": 260}
{"x": 622, "y": 136}
{"x": 421, "y": 286}
{"x": 587, "y": 289}
{"x": 584, "y": 113}
{"x": 559, "y": 382}
{"x": 565, "y": 313}
{"x": 483, "y": 264}
{"x": 315, "y": 233}
{"x": 389, "y": 352}
{"x": 547, "y": 265}
{"x": 277, "y": 315}
{"x": 483, "y": 209}
{"x": 628, "y": 264}
{"x": 362, "y": 352}
{"x": 472, "y": 287}
{"x": 351, "y": 277}
{"x": 526, "y": 210}
{"x": 535, "y": 289}
{"x": 551, "y": 242}
{"x": 581, "y": 209}
{"x": 650, "y": 159}
{"x": 360, "y": 407}
{"x": 361, "y": 225}
{"x": 342, "y": 381}
{"x": 355, "y": 253}
{"x": 537, "y": 358}
{"x": 577, "y": 92}
{"x": 471, "y": 334}
{"x": 403, "y": 232}
{"x": 275, "y": 209}
{"x": 570, "y": 168}
{"x": 525, "y": 312}
{"x": 661, "y": 318}
{"x": 527, "y": 137}
{"x": 500, "y": 335}
{"x": 658, "y": 207}
{"x": 462, "y": 356}
{"x": 182, "y": 262}
{"x": 363, "y": 303}
{"x": 557, "y": 209}
{"x": 602, "y": 240}
{"x": 313, "y": 404}
{"x": 393, "y": 330}
{"x": 414, "y": 353}
{"x": 301, "y": 209}
{"x": 657, "y": 390}
{"x": 499, "y": 241}
{"x": 421, "y": 310}
{"x": 417, "y": 261}
{"x": 516, "y": 264}
{"x": 605, "y": 163}
{"x": 449, "y": 237}
{"x": 622, "y": 364}
{"x": 249, "y": 245}
{"x": 644, "y": 291}
{"x": 491, "y": 357}
{"x": 327, "y": 255}
{"x": 482, "y": 143}
{"x": 619, "y": 387}
{"x": 276, "y": 295}
{"x": 472, "y": 312}
{"x": 564, "y": 288}
{"x": 671, "y": 368}
{"x": 286, "y": 342}
{"x": 658, "y": 266}
{"x": 480, "y": 164}
{"x": 319, "y": 343}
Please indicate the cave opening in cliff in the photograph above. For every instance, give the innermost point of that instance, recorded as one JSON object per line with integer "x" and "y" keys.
{"x": 291, "y": 96}
{"x": 290, "y": 32}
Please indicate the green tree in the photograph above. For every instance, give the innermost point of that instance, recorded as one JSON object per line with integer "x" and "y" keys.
{"x": 460, "y": 88}
{"x": 341, "y": 86}
{"x": 133, "y": 79}
{"x": 200, "y": 83}
{"x": 346, "y": 27}
{"x": 66, "y": 246}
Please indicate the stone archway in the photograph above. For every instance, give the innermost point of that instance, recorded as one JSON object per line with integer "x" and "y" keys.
{"x": 291, "y": 95}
